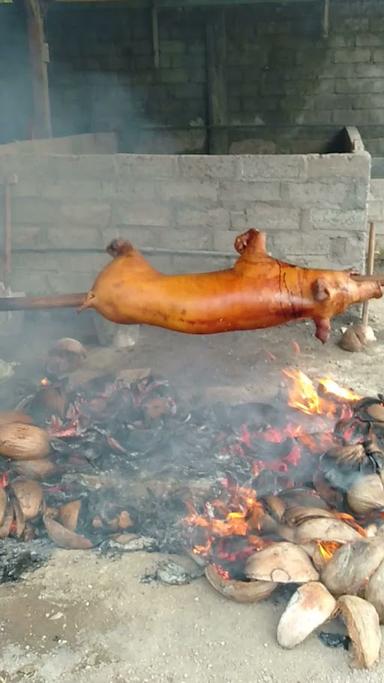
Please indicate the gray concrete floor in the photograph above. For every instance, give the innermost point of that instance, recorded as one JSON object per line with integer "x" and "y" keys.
{"x": 83, "y": 618}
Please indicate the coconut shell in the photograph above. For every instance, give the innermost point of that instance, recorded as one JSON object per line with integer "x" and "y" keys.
{"x": 353, "y": 339}
{"x": 69, "y": 514}
{"x": 29, "y": 495}
{"x": 19, "y": 518}
{"x": 23, "y": 442}
{"x": 276, "y": 507}
{"x": 351, "y": 566}
{"x": 376, "y": 412}
{"x": 49, "y": 400}
{"x": 8, "y": 417}
{"x": 308, "y": 608}
{"x": 319, "y": 559}
{"x": 374, "y": 591}
{"x": 239, "y": 591}
{"x": 36, "y": 469}
{"x": 324, "y": 529}
{"x": 362, "y": 622}
{"x": 65, "y": 538}
{"x": 366, "y": 494}
{"x": 297, "y": 515}
{"x": 303, "y": 497}
{"x": 69, "y": 345}
{"x": 7, "y": 521}
{"x": 281, "y": 563}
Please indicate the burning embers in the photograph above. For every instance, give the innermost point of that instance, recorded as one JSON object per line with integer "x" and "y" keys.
{"x": 260, "y": 494}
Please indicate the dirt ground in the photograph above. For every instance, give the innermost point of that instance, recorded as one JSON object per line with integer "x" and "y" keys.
{"x": 87, "y": 618}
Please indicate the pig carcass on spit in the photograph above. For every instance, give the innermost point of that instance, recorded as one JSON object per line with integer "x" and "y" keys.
{"x": 257, "y": 292}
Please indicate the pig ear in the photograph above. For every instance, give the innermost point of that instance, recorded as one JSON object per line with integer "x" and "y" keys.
{"x": 321, "y": 290}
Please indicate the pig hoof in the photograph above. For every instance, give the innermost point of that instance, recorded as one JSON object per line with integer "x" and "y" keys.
{"x": 118, "y": 247}
{"x": 323, "y": 329}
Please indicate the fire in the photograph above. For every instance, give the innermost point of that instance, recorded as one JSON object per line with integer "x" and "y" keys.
{"x": 348, "y": 519}
{"x": 239, "y": 516}
{"x": 45, "y": 382}
{"x": 329, "y": 386}
{"x": 327, "y": 549}
{"x": 303, "y": 395}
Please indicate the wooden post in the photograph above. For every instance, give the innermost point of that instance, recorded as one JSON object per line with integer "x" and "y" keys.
{"x": 370, "y": 266}
{"x": 216, "y": 82}
{"x": 38, "y": 50}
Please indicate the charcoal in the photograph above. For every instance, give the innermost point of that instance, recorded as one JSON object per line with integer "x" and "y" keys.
{"x": 335, "y": 640}
{"x": 17, "y": 557}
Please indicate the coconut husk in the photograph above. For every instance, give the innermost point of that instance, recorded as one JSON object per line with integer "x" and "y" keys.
{"x": 20, "y": 441}
{"x": 69, "y": 345}
{"x": 7, "y": 521}
{"x": 3, "y": 504}
{"x": 374, "y": 591}
{"x": 65, "y": 538}
{"x": 302, "y": 497}
{"x": 356, "y": 338}
{"x": 36, "y": 469}
{"x": 275, "y": 506}
{"x": 351, "y": 566}
{"x": 282, "y": 563}
{"x": 366, "y": 494}
{"x": 68, "y": 514}
{"x": 29, "y": 495}
{"x": 19, "y": 518}
{"x": 297, "y": 515}
{"x": 10, "y": 416}
{"x": 308, "y": 608}
{"x": 49, "y": 400}
{"x": 331, "y": 497}
{"x": 376, "y": 412}
{"x": 362, "y": 622}
{"x": 239, "y": 591}
{"x": 326, "y": 529}
{"x": 351, "y": 455}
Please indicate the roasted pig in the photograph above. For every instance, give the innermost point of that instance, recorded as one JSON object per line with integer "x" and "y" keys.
{"x": 257, "y": 292}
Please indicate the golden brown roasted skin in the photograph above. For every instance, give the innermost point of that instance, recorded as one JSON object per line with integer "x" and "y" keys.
{"x": 258, "y": 292}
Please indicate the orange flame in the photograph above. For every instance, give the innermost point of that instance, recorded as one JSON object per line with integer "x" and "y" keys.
{"x": 303, "y": 396}
{"x": 327, "y": 549}
{"x": 329, "y": 386}
{"x": 239, "y": 517}
{"x": 302, "y": 393}
{"x": 45, "y": 382}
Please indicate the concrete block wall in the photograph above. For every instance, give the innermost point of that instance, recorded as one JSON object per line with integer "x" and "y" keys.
{"x": 187, "y": 209}
{"x": 15, "y": 81}
{"x": 376, "y": 210}
{"x": 290, "y": 87}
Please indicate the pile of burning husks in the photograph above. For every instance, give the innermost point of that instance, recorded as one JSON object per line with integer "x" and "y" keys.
{"x": 259, "y": 494}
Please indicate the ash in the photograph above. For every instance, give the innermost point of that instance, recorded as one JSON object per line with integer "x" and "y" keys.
{"x": 151, "y": 471}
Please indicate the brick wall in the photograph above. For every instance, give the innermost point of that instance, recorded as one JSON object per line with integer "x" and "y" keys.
{"x": 66, "y": 209}
{"x": 289, "y": 88}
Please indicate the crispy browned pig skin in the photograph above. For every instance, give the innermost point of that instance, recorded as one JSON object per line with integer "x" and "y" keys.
{"x": 257, "y": 292}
